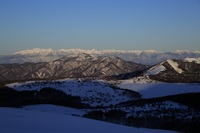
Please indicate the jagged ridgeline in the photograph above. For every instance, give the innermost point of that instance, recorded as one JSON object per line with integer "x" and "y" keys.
{"x": 75, "y": 66}
{"x": 147, "y": 57}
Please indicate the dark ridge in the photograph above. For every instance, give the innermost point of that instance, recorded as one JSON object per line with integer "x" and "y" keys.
{"x": 12, "y": 98}
{"x": 188, "y": 99}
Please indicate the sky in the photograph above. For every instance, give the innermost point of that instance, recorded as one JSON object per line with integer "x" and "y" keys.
{"x": 163, "y": 25}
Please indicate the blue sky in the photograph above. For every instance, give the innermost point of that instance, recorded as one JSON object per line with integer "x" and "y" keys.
{"x": 162, "y": 25}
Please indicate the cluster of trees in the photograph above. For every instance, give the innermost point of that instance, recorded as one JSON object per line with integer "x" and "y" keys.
{"x": 114, "y": 115}
{"x": 165, "y": 122}
{"x": 184, "y": 120}
{"x": 12, "y": 98}
{"x": 188, "y": 99}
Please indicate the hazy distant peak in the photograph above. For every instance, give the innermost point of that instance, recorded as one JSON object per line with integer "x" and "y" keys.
{"x": 84, "y": 56}
{"x": 94, "y": 51}
{"x": 196, "y": 60}
{"x": 79, "y": 57}
{"x": 111, "y": 57}
{"x": 147, "y": 57}
{"x": 36, "y": 51}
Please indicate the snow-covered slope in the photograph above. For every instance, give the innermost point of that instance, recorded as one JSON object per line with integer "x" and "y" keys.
{"x": 94, "y": 93}
{"x": 23, "y": 121}
{"x": 152, "y": 90}
{"x": 175, "y": 66}
{"x": 155, "y": 69}
{"x": 56, "y": 109}
{"x": 148, "y": 57}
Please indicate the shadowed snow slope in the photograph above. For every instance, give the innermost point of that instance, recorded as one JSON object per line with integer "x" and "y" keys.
{"x": 151, "y": 90}
{"x": 56, "y": 109}
{"x": 23, "y": 121}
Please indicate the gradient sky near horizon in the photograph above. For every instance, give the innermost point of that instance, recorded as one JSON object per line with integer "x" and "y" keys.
{"x": 162, "y": 25}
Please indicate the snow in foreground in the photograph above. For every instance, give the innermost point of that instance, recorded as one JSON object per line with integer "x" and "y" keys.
{"x": 56, "y": 109}
{"x": 24, "y": 121}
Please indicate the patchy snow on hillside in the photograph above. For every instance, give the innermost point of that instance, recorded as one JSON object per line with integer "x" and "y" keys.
{"x": 92, "y": 92}
{"x": 138, "y": 80}
{"x": 161, "y": 110}
{"x": 175, "y": 66}
{"x": 151, "y": 90}
{"x": 162, "y": 105}
{"x": 24, "y": 121}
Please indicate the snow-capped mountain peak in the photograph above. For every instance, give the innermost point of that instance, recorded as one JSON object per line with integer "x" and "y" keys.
{"x": 77, "y": 51}
{"x": 180, "y": 51}
{"x": 196, "y": 60}
{"x": 175, "y": 66}
{"x": 147, "y": 57}
{"x": 186, "y": 70}
{"x": 84, "y": 56}
{"x": 79, "y": 57}
{"x": 161, "y": 67}
{"x": 149, "y": 52}
{"x": 155, "y": 69}
{"x": 35, "y": 51}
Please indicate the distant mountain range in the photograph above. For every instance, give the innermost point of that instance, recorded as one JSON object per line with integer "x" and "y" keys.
{"x": 147, "y": 57}
{"x": 74, "y": 66}
{"x": 83, "y": 65}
